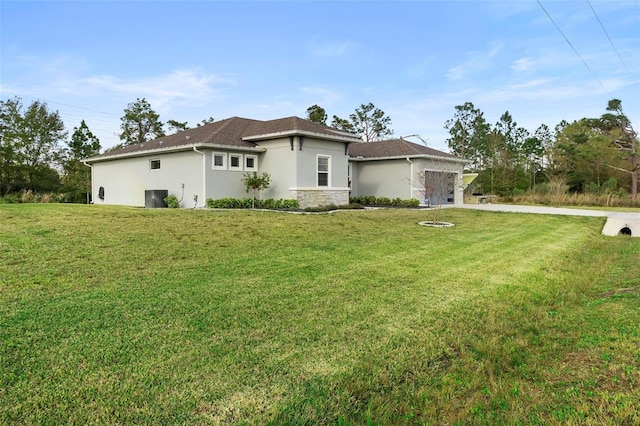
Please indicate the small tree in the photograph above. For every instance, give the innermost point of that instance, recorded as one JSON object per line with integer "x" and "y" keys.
{"x": 254, "y": 182}
{"x": 436, "y": 187}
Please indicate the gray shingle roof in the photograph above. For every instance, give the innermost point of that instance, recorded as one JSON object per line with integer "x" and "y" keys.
{"x": 295, "y": 124}
{"x": 394, "y": 148}
{"x": 234, "y": 132}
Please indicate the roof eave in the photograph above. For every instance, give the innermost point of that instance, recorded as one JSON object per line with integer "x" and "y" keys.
{"x": 402, "y": 157}
{"x": 286, "y": 133}
{"x": 172, "y": 149}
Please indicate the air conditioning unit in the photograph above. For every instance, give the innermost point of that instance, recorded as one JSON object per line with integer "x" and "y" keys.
{"x": 154, "y": 198}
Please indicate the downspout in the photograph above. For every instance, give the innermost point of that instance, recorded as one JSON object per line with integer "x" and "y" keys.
{"x": 204, "y": 176}
{"x": 91, "y": 167}
{"x": 410, "y": 179}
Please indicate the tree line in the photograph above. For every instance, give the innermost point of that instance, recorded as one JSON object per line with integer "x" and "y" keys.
{"x": 590, "y": 154}
{"x": 37, "y": 155}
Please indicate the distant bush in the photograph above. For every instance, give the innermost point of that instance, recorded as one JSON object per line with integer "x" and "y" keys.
{"x": 373, "y": 201}
{"x": 13, "y": 198}
{"x": 247, "y": 203}
{"x": 28, "y": 197}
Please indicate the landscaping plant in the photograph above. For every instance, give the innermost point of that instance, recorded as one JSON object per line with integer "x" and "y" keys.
{"x": 256, "y": 183}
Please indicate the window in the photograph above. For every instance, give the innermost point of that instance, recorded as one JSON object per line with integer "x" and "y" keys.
{"x": 219, "y": 161}
{"x": 323, "y": 166}
{"x": 235, "y": 162}
{"x": 154, "y": 164}
{"x": 251, "y": 163}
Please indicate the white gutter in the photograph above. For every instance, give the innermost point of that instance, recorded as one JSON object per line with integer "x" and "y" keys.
{"x": 91, "y": 167}
{"x": 204, "y": 176}
{"x": 410, "y": 179}
{"x": 399, "y": 157}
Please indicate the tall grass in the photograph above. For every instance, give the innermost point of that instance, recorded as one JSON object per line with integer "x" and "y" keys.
{"x": 133, "y": 316}
{"x": 556, "y": 193}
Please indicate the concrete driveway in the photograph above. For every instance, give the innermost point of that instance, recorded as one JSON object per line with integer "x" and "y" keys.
{"x": 626, "y": 223}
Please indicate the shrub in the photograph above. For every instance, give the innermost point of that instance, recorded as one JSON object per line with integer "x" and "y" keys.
{"x": 351, "y": 206}
{"x": 320, "y": 209}
{"x": 269, "y": 204}
{"x": 13, "y": 198}
{"x": 49, "y": 198}
{"x": 248, "y": 203}
{"x": 370, "y": 200}
{"x": 28, "y": 197}
{"x": 592, "y": 188}
{"x": 172, "y": 202}
{"x": 412, "y": 202}
{"x": 287, "y": 204}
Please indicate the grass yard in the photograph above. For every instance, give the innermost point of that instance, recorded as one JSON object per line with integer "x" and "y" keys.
{"x": 113, "y": 315}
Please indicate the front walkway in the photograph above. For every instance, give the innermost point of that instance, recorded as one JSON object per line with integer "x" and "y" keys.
{"x": 617, "y": 222}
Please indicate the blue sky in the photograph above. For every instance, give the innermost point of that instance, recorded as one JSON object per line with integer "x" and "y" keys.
{"x": 415, "y": 60}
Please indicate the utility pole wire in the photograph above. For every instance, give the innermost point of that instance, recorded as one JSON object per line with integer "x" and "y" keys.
{"x": 574, "y": 49}
{"x": 607, "y": 34}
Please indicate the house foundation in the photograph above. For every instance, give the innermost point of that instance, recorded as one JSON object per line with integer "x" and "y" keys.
{"x": 312, "y": 197}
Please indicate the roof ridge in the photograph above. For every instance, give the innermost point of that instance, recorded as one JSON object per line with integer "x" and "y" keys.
{"x": 412, "y": 145}
{"x": 220, "y": 126}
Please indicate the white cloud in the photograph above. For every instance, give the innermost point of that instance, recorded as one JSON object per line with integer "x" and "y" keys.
{"x": 332, "y": 49}
{"x": 191, "y": 86}
{"x": 477, "y": 61}
{"x": 522, "y": 64}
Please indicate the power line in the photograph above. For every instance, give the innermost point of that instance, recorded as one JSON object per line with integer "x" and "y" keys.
{"x": 572, "y": 47}
{"x": 610, "y": 41}
{"x": 77, "y": 107}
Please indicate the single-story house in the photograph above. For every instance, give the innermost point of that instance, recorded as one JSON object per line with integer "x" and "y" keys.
{"x": 310, "y": 162}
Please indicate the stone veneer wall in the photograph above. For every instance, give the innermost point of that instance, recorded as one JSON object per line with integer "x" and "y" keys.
{"x": 313, "y": 197}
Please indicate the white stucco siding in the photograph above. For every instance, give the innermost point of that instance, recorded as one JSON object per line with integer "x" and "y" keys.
{"x": 384, "y": 178}
{"x": 224, "y": 184}
{"x": 280, "y": 162}
{"x": 227, "y": 183}
{"x": 307, "y": 163}
{"x": 126, "y": 180}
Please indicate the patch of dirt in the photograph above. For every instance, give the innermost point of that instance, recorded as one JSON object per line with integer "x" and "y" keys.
{"x": 620, "y": 291}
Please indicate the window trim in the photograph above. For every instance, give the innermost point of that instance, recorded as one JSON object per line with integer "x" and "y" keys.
{"x": 327, "y": 172}
{"x": 239, "y": 167}
{"x": 152, "y": 161}
{"x": 255, "y": 163}
{"x": 224, "y": 161}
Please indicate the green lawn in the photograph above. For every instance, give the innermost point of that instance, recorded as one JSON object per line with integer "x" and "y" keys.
{"x": 121, "y": 315}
